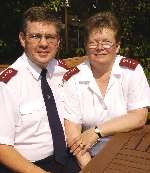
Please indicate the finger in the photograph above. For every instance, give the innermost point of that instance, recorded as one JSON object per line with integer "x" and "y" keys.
{"x": 81, "y": 148}
{"x": 78, "y": 150}
{"x": 76, "y": 145}
{"x": 75, "y": 140}
{"x": 85, "y": 149}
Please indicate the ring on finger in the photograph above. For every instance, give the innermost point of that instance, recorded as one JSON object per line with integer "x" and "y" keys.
{"x": 82, "y": 145}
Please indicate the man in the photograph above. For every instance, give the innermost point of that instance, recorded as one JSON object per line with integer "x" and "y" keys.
{"x": 26, "y": 143}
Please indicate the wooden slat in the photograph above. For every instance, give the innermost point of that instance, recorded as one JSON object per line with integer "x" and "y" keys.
{"x": 3, "y": 66}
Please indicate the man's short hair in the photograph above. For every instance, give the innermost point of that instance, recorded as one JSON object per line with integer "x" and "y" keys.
{"x": 40, "y": 14}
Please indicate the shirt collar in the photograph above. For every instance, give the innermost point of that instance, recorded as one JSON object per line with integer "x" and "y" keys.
{"x": 36, "y": 70}
{"x": 86, "y": 73}
{"x": 116, "y": 70}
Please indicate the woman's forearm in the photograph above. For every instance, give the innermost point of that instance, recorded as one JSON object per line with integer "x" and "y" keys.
{"x": 132, "y": 120}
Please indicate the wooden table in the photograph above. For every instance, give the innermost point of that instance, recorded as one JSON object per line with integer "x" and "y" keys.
{"x": 124, "y": 153}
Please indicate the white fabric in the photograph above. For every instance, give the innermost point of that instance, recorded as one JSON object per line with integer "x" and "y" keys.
{"x": 127, "y": 90}
{"x": 23, "y": 116}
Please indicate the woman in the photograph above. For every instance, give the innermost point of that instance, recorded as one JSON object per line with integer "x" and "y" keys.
{"x": 109, "y": 94}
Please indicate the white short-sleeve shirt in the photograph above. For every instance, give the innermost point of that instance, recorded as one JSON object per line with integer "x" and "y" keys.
{"x": 23, "y": 117}
{"x": 127, "y": 90}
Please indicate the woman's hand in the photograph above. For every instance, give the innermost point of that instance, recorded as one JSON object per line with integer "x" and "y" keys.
{"x": 83, "y": 142}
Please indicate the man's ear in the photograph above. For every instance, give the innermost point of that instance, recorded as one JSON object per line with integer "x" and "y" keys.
{"x": 59, "y": 42}
{"x": 22, "y": 39}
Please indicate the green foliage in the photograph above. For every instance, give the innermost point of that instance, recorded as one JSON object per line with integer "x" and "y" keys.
{"x": 53, "y": 4}
{"x": 79, "y": 51}
{"x": 146, "y": 64}
{"x": 147, "y": 72}
{"x": 133, "y": 16}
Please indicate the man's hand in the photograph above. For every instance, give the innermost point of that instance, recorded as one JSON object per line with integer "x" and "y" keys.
{"x": 83, "y": 142}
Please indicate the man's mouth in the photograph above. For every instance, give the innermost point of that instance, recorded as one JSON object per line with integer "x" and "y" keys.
{"x": 43, "y": 52}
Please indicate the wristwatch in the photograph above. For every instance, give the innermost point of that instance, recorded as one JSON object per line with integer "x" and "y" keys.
{"x": 97, "y": 131}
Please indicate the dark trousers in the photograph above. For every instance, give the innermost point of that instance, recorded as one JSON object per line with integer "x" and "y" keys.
{"x": 49, "y": 164}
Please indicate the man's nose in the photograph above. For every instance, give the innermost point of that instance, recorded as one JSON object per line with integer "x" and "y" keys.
{"x": 43, "y": 41}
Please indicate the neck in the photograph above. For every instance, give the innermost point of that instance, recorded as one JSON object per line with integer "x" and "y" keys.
{"x": 100, "y": 70}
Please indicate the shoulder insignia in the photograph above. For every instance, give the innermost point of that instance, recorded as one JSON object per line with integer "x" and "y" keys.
{"x": 128, "y": 62}
{"x": 70, "y": 73}
{"x": 62, "y": 63}
{"x": 6, "y": 75}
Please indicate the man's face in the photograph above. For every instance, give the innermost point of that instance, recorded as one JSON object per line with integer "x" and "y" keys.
{"x": 40, "y": 42}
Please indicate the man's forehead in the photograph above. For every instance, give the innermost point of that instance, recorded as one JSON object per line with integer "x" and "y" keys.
{"x": 40, "y": 23}
{"x": 41, "y": 26}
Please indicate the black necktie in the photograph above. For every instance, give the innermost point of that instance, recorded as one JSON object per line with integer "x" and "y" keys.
{"x": 60, "y": 150}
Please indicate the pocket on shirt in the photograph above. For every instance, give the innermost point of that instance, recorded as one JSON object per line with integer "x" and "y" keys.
{"x": 31, "y": 107}
{"x": 32, "y": 114}
{"x": 32, "y": 117}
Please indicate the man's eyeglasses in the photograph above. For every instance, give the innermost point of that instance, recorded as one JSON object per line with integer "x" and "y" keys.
{"x": 104, "y": 44}
{"x": 38, "y": 37}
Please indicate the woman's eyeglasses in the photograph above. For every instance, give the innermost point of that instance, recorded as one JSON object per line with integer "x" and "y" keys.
{"x": 104, "y": 44}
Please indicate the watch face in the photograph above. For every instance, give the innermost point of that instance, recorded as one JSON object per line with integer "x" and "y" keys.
{"x": 97, "y": 130}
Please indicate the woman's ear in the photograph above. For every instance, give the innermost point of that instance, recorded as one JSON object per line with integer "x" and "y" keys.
{"x": 58, "y": 44}
{"x": 22, "y": 39}
{"x": 117, "y": 48}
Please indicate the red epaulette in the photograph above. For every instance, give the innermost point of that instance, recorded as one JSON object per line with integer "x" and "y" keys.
{"x": 70, "y": 73}
{"x": 62, "y": 63}
{"x": 128, "y": 62}
{"x": 6, "y": 75}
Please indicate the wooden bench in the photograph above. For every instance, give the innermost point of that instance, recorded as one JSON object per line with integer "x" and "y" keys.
{"x": 3, "y": 66}
{"x": 71, "y": 62}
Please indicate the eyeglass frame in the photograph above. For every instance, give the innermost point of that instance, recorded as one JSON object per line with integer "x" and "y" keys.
{"x": 38, "y": 37}
{"x": 93, "y": 45}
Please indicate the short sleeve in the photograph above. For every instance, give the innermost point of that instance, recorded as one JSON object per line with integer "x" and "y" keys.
{"x": 8, "y": 115}
{"x": 72, "y": 109}
{"x": 139, "y": 90}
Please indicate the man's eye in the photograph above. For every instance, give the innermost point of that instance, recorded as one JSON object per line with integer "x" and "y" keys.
{"x": 36, "y": 36}
{"x": 50, "y": 37}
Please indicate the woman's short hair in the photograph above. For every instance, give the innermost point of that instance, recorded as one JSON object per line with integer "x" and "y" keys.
{"x": 100, "y": 21}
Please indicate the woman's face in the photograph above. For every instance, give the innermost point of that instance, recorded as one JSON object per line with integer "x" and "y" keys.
{"x": 101, "y": 46}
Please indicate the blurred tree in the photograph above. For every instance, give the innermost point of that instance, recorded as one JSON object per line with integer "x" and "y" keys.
{"x": 134, "y": 17}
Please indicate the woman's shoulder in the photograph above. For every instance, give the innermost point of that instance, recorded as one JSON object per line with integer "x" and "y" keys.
{"x": 129, "y": 63}
{"x": 76, "y": 71}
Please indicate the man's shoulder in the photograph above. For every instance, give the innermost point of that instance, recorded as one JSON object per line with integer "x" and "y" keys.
{"x": 12, "y": 71}
{"x": 8, "y": 74}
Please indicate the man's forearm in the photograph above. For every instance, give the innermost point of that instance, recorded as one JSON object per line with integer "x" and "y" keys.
{"x": 16, "y": 162}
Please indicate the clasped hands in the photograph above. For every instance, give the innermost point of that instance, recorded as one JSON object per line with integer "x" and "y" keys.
{"x": 83, "y": 142}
